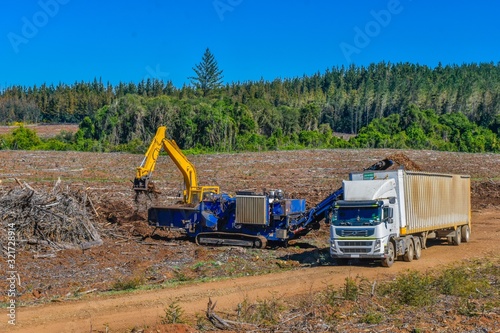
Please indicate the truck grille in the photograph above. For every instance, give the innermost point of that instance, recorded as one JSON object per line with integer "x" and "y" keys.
{"x": 352, "y": 247}
{"x": 354, "y": 250}
{"x": 355, "y": 243}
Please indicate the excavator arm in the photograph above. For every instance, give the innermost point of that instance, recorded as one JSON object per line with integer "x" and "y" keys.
{"x": 193, "y": 193}
{"x": 145, "y": 170}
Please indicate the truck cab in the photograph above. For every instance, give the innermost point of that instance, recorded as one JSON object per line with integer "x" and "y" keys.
{"x": 363, "y": 222}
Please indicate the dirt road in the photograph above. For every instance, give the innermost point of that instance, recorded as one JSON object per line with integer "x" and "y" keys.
{"x": 123, "y": 312}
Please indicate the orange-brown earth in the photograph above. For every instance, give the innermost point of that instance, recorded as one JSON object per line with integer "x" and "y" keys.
{"x": 65, "y": 290}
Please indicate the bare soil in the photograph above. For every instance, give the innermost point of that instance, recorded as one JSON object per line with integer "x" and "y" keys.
{"x": 70, "y": 290}
{"x": 42, "y": 130}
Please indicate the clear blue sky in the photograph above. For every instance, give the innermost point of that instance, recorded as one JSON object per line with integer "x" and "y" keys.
{"x": 52, "y": 41}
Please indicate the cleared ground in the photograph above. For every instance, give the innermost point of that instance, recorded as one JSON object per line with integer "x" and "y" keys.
{"x": 64, "y": 291}
{"x": 43, "y": 131}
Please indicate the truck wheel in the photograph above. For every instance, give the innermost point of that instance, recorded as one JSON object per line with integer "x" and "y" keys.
{"x": 410, "y": 252}
{"x": 389, "y": 259}
{"x": 418, "y": 247}
{"x": 456, "y": 239}
{"x": 465, "y": 233}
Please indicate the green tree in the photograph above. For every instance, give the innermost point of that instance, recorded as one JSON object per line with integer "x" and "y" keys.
{"x": 208, "y": 76}
{"x": 24, "y": 139}
{"x": 87, "y": 128}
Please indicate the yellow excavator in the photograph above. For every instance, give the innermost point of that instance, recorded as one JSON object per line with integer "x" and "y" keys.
{"x": 192, "y": 193}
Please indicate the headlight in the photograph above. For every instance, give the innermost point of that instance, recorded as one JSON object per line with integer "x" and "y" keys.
{"x": 378, "y": 244}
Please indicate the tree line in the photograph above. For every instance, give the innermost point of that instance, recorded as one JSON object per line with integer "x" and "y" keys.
{"x": 197, "y": 126}
{"x": 375, "y": 103}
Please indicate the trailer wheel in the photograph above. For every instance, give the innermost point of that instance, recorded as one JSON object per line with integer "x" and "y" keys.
{"x": 410, "y": 252}
{"x": 389, "y": 259}
{"x": 456, "y": 239}
{"x": 465, "y": 233}
{"x": 418, "y": 247}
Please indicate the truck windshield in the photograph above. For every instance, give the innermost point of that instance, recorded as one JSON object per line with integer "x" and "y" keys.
{"x": 356, "y": 216}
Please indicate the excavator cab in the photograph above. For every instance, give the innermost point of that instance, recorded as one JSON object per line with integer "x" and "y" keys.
{"x": 203, "y": 193}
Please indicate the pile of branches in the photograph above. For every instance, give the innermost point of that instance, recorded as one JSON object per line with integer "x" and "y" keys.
{"x": 485, "y": 193}
{"x": 405, "y": 161}
{"x": 57, "y": 219}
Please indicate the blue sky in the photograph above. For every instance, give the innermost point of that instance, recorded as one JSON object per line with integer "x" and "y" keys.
{"x": 52, "y": 41}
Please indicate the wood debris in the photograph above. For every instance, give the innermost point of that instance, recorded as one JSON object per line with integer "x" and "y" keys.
{"x": 225, "y": 324}
{"x": 56, "y": 219}
{"x": 404, "y": 161}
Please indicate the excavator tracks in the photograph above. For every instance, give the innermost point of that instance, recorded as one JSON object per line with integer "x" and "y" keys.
{"x": 227, "y": 238}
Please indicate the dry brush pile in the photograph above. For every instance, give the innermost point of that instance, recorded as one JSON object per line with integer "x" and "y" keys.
{"x": 57, "y": 219}
{"x": 404, "y": 161}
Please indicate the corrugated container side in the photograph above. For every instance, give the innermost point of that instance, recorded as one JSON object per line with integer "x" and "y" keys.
{"x": 436, "y": 201}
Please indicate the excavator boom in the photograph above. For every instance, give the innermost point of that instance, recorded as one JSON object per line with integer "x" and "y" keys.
{"x": 142, "y": 182}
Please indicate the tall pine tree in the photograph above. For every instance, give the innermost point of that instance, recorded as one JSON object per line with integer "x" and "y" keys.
{"x": 208, "y": 76}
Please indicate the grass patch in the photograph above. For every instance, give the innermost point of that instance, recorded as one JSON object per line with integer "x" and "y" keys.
{"x": 130, "y": 283}
{"x": 473, "y": 281}
{"x": 372, "y": 318}
{"x": 262, "y": 312}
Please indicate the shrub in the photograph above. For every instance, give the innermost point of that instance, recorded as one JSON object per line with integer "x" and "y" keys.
{"x": 464, "y": 281}
{"x": 351, "y": 289}
{"x": 128, "y": 283}
{"x": 411, "y": 288}
{"x": 173, "y": 313}
{"x": 372, "y": 318}
{"x": 264, "y": 312}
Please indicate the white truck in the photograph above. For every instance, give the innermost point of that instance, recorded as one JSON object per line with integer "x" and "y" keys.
{"x": 390, "y": 214}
